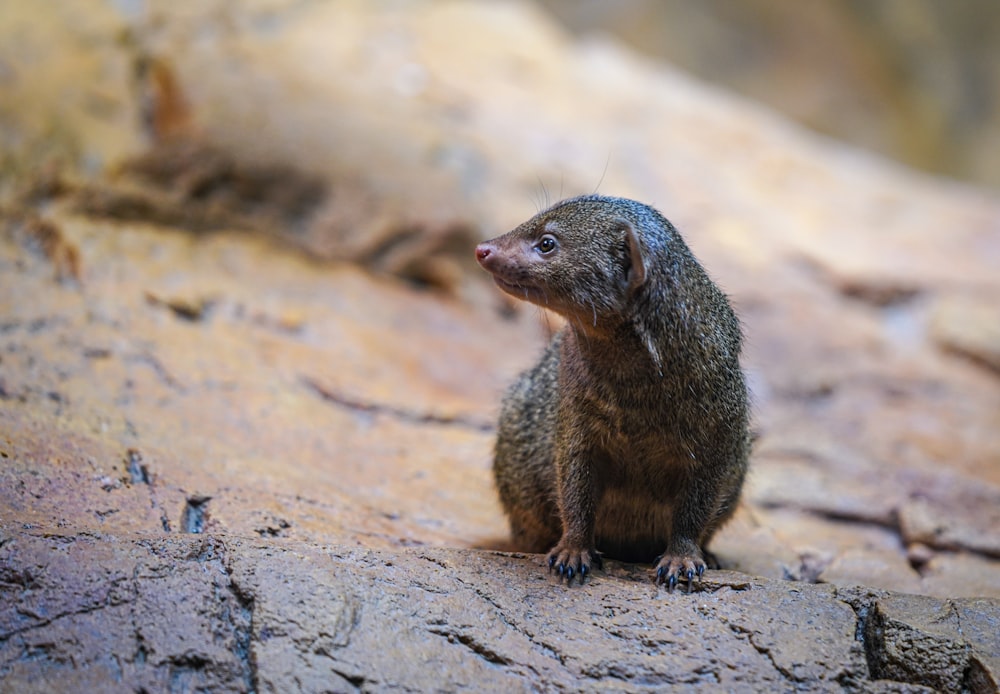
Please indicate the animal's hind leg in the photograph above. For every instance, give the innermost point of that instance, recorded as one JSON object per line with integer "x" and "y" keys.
{"x": 530, "y": 533}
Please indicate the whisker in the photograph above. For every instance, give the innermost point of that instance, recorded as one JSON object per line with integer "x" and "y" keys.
{"x": 545, "y": 201}
{"x": 603, "y": 173}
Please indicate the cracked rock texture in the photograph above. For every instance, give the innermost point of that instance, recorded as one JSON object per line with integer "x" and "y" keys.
{"x": 206, "y": 612}
{"x": 248, "y": 376}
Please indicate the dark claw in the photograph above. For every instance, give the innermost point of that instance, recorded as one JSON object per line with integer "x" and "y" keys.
{"x": 690, "y": 579}
{"x": 583, "y": 572}
{"x": 701, "y": 571}
{"x": 561, "y": 569}
{"x": 569, "y": 574}
{"x": 672, "y": 582}
{"x": 552, "y": 563}
{"x": 660, "y": 573}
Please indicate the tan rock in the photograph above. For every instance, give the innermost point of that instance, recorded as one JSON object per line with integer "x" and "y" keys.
{"x": 277, "y": 615}
{"x": 66, "y": 99}
{"x": 921, "y": 640}
{"x": 970, "y": 327}
{"x": 860, "y": 567}
{"x": 948, "y": 574}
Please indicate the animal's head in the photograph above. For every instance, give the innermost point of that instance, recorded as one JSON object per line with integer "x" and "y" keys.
{"x": 583, "y": 258}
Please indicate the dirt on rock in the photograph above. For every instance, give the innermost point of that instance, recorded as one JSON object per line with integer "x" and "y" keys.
{"x": 249, "y": 381}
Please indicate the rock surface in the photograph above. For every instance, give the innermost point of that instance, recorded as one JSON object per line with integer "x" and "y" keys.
{"x": 229, "y": 464}
{"x": 230, "y": 614}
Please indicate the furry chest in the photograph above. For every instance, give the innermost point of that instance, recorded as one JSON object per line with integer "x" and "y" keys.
{"x": 631, "y": 526}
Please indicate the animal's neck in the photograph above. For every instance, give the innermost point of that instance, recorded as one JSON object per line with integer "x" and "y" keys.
{"x": 619, "y": 355}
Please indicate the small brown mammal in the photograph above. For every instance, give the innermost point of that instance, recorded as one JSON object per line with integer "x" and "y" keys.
{"x": 631, "y": 435}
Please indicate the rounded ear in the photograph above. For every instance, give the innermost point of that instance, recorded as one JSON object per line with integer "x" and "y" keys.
{"x": 637, "y": 262}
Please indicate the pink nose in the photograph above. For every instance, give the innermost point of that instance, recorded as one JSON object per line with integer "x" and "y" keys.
{"x": 483, "y": 252}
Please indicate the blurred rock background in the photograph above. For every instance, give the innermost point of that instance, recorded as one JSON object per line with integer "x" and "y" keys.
{"x": 916, "y": 80}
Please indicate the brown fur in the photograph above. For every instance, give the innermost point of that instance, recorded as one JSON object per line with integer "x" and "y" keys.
{"x": 630, "y": 435}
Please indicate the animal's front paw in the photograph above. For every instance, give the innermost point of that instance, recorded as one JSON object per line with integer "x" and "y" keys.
{"x": 570, "y": 560}
{"x": 675, "y": 567}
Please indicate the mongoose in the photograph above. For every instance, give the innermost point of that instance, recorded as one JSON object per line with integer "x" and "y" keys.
{"x": 630, "y": 437}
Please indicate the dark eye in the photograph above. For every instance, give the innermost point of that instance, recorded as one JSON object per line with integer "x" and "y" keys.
{"x": 546, "y": 244}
